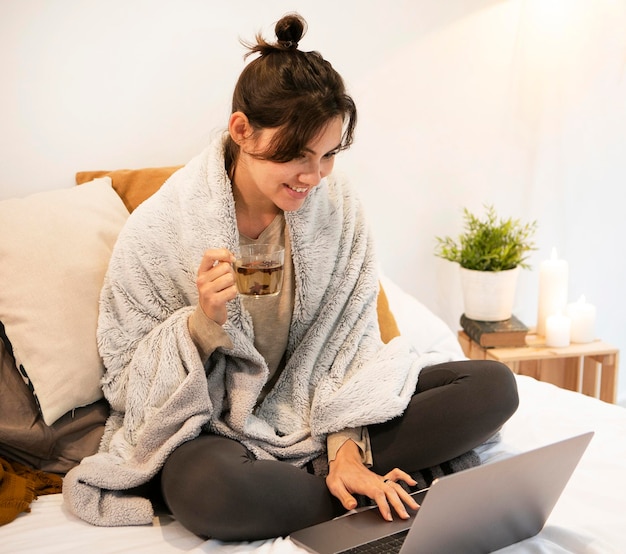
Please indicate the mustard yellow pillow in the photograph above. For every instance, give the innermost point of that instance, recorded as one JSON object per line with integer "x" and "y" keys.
{"x": 132, "y": 185}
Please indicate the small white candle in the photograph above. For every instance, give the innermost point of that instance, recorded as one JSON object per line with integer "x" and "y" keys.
{"x": 557, "y": 330}
{"x": 553, "y": 276}
{"x": 583, "y": 317}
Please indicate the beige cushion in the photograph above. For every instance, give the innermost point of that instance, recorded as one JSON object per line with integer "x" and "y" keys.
{"x": 54, "y": 251}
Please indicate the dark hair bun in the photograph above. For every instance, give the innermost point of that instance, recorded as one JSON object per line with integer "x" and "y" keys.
{"x": 290, "y": 29}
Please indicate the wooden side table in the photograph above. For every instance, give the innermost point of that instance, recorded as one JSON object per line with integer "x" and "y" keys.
{"x": 590, "y": 368}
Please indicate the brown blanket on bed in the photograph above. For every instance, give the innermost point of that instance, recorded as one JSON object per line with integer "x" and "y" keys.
{"x": 20, "y": 485}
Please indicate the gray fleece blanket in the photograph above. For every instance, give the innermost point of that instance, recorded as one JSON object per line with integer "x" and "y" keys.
{"x": 338, "y": 373}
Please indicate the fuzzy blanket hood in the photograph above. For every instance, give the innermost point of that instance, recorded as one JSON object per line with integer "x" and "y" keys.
{"x": 338, "y": 374}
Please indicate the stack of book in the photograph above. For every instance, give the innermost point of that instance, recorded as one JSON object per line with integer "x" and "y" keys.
{"x": 489, "y": 334}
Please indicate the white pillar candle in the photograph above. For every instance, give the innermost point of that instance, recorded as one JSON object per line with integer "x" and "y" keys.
{"x": 557, "y": 330}
{"x": 553, "y": 276}
{"x": 583, "y": 317}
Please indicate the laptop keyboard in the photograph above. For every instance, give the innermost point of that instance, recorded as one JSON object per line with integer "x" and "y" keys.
{"x": 390, "y": 544}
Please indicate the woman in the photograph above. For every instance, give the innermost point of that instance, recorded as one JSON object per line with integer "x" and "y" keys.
{"x": 253, "y": 418}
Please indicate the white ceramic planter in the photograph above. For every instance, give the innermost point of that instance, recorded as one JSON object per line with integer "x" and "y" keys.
{"x": 489, "y": 295}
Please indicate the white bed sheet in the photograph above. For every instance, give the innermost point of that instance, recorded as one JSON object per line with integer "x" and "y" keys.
{"x": 589, "y": 517}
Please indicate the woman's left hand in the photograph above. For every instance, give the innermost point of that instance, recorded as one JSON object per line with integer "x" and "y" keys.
{"x": 348, "y": 476}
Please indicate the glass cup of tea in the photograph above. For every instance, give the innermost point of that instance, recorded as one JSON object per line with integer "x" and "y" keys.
{"x": 259, "y": 270}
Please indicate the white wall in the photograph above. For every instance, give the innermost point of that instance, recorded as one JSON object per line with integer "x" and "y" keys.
{"x": 518, "y": 103}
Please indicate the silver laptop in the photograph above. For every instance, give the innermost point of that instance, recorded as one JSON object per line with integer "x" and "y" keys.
{"x": 477, "y": 510}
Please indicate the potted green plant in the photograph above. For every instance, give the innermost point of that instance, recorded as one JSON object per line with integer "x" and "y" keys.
{"x": 490, "y": 253}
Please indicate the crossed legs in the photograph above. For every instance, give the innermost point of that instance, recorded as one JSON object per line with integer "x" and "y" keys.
{"x": 216, "y": 488}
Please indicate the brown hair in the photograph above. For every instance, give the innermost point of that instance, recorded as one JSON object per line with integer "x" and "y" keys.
{"x": 296, "y": 92}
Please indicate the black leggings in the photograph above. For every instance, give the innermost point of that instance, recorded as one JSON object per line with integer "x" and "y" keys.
{"x": 216, "y": 488}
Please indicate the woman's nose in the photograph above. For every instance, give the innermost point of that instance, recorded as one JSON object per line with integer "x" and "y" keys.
{"x": 312, "y": 175}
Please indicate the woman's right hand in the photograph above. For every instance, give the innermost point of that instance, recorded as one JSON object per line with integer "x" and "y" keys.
{"x": 216, "y": 283}
{"x": 348, "y": 476}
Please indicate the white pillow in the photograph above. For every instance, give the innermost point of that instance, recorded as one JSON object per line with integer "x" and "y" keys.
{"x": 425, "y": 330}
{"x": 54, "y": 251}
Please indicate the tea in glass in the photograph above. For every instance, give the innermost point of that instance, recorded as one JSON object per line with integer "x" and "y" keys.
{"x": 259, "y": 270}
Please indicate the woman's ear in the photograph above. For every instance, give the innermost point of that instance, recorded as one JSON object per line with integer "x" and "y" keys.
{"x": 239, "y": 127}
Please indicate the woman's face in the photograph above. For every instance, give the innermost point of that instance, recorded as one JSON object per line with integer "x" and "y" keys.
{"x": 270, "y": 186}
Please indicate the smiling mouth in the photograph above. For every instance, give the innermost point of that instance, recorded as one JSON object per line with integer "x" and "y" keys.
{"x": 298, "y": 189}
